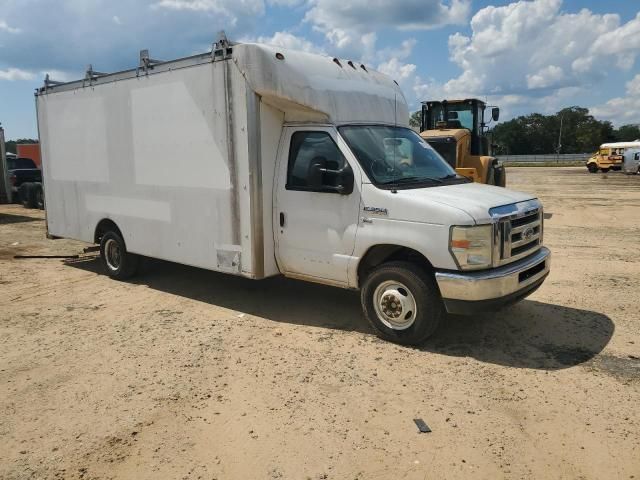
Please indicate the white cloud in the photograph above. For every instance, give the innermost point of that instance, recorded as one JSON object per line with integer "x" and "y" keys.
{"x": 170, "y": 29}
{"x": 228, "y": 8}
{"x": 633, "y": 87}
{"x": 372, "y": 14}
{"x": 535, "y": 49}
{"x": 287, "y": 40}
{"x": 13, "y": 74}
{"x": 622, "y": 110}
{"x": 351, "y": 25}
{"x": 397, "y": 70}
{"x": 624, "y": 42}
{"x": 545, "y": 78}
{"x": 4, "y": 27}
{"x": 285, "y": 3}
{"x": 61, "y": 76}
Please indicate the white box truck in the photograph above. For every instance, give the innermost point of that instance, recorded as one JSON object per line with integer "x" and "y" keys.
{"x": 260, "y": 161}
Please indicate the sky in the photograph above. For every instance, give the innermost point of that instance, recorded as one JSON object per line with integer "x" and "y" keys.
{"x": 524, "y": 56}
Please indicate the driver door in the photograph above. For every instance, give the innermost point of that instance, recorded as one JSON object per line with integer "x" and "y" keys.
{"x": 316, "y": 213}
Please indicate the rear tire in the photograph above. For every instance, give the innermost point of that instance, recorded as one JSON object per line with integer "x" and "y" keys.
{"x": 605, "y": 170}
{"x": 118, "y": 263}
{"x": 402, "y": 303}
{"x": 27, "y": 195}
{"x": 38, "y": 196}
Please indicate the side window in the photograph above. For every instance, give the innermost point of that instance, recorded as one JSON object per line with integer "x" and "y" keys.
{"x": 310, "y": 155}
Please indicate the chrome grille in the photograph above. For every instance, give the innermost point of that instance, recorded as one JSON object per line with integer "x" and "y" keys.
{"x": 519, "y": 235}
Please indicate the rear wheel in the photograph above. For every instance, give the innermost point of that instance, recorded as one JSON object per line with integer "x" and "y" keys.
{"x": 118, "y": 263}
{"x": 38, "y": 196}
{"x": 402, "y": 303}
{"x": 27, "y": 195}
{"x": 605, "y": 170}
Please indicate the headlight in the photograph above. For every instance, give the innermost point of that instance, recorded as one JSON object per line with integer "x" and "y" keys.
{"x": 472, "y": 247}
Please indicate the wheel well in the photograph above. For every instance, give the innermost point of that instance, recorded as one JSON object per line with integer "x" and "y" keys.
{"x": 105, "y": 225}
{"x": 379, "y": 254}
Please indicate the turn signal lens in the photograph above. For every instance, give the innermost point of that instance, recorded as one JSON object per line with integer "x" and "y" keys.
{"x": 472, "y": 247}
{"x": 460, "y": 243}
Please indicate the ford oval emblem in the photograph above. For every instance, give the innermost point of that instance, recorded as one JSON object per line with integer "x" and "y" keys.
{"x": 528, "y": 234}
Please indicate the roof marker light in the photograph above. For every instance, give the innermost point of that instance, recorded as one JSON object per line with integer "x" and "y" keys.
{"x": 351, "y": 64}
{"x": 279, "y": 56}
{"x": 337, "y": 62}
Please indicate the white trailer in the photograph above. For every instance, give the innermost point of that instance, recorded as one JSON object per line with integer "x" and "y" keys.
{"x": 258, "y": 161}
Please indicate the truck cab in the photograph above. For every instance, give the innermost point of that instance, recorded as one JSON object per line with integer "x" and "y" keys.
{"x": 373, "y": 207}
{"x": 457, "y": 130}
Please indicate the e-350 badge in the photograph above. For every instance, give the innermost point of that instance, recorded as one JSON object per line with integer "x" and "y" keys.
{"x": 376, "y": 210}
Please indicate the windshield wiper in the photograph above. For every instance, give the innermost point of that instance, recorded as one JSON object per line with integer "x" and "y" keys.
{"x": 400, "y": 180}
{"x": 456, "y": 176}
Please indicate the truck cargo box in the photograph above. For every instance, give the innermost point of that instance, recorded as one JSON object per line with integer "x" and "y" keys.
{"x": 181, "y": 155}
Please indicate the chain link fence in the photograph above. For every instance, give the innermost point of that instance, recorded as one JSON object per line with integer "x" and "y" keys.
{"x": 560, "y": 160}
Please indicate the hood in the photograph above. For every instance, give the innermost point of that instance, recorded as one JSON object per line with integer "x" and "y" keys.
{"x": 472, "y": 200}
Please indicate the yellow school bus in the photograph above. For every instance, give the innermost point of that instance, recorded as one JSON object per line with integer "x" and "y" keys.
{"x": 610, "y": 156}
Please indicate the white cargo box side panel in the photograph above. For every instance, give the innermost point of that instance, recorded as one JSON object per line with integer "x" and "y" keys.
{"x": 152, "y": 154}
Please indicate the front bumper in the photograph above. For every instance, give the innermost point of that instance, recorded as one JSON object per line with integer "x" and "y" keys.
{"x": 471, "y": 292}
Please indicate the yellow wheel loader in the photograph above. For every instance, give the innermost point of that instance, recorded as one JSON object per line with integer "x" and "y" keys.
{"x": 456, "y": 129}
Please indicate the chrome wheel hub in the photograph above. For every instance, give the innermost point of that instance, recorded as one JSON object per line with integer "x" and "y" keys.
{"x": 113, "y": 254}
{"x": 395, "y": 305}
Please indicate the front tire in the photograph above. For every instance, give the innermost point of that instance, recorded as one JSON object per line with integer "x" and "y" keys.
{"x": 592, "y": 167}
{"x": 119, "y": 264}
{"x": 402, "y": 303}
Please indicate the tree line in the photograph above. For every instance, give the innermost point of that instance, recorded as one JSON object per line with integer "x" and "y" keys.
{"x": 571, "y": 130}
{"x": 538, "y": 134}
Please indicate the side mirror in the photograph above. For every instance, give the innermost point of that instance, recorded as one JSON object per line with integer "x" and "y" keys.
{"x": 346, "y": 180}
{"x": 495, "y": 114}
{"x": 331, "y": 181}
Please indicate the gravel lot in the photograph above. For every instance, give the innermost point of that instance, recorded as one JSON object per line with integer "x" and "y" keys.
{"x": 185, "y": 373}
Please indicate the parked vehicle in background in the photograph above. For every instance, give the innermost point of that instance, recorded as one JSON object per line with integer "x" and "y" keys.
{"x": 29, "y": 150}
{"x": 631, "y": 161}
{"x": 299, "y": 164}
{"x": 610, "y": 156}
{"x": 25, "y": 179}
{"x": 456, "y": 129}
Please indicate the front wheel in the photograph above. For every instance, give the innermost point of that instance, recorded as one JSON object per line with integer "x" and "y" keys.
{"x": 592, "y": 167}
{"x": 118, "y": 263}
{"x": 402, "y": 303}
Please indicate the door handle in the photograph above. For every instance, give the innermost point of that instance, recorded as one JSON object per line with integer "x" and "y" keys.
{"x": 282, "y": 219}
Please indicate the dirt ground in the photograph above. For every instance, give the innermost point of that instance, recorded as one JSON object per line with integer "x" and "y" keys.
{"x": 189, "y": 374}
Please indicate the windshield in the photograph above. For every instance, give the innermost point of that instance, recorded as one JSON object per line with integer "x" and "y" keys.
{"x": 446, "y": 147}
{"x": 19, "y": 163}
{"x": 394, "y": 156}
{"x": 459, "y": 115}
